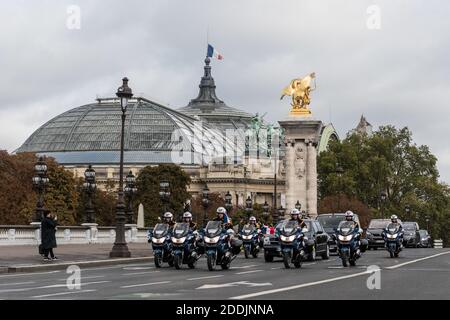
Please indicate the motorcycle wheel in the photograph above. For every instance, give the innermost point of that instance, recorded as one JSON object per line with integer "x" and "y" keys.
{"x": 391, "y": 254}
{"x": 267, "y": 257}
{"x": 158, "y": 261}
{"x": 396, "y": 254}
{"x": 246, "y": 253}
{"x": 344, "y": 260}
{"x": 255, "y": 254}
{"x": 287, "y": 260}
{"x": 211, "y": 261}
{"x": 326, "y": 255}
{"x": 225, "y": 265}
{"x": 312, "y": 255}
{"x": 352, "y": 262}
{"x": 298, "y": 263}
{"x": 170, "y": 262}
{"x": 192, "y": 264}
{"x": 177, "y": 262}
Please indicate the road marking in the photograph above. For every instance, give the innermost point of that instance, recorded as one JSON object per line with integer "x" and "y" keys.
{"x": 308, "y": 264}
{"x": 275, "y": 268}
{"x": 138, "y": 268}
{"x": 201, "y": 278}
{"x": 62, "y": 293}
{"x": 246, "y": 267}
{"x": 137, "y": 273}
{"x": 16, "y": 284}
{"x": 261, "y": 293}
{"x": 251, "y": 271}
{"x": 29, "y": 274}
{"x": 83, "y": 278}
{"x": 233, "y": 284}
{"x": 48, "y": 287}
{"x": 144, "y": 284}
{"x": 417, "y": 260}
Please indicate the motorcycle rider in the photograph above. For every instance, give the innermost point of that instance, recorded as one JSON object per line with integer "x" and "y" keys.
{"x": 168, "y": 219}
{"x": 350, "y": 216}
{"x": 295, "y": 216}
{"x": 187, "y": 218}
{"x": 252, "y": 221}
{"x": 223, "y": 217}
{"x": 394, "y": 220}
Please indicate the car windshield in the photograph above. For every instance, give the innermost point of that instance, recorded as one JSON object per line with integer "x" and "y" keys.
{"x": 213, "y": 228}
{"x": 248, "y": 228}
{"x": 330, "y": 221}
{"x": 160, "y": 230}
{"x": 378, "y": 224}
{"x": 181, "y": 230}
{"x": 392, "y": 228}
{"x": 346, "y": 227}
{"x": 409, "y": 226}
{"x": 423, "y": 233}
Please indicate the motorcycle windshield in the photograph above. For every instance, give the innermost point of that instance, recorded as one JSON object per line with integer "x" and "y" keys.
{"x": 248, "y": 229}
{"x": 290, "y": 228}
{"x": 213, "y": 228}
{"x": 160, "y": 230}
{"x": 346, "y": 227}
{"x": 392, "y": 228}
{"x": 180, "y": 230}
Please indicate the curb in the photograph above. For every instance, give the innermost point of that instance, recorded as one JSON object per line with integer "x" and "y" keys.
{"x": 60, "y": 266}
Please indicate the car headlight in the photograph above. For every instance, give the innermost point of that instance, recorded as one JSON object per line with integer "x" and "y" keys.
{"x": 212, "y": 240}
{"x": 345, "y": 238}
{"x": 158, "y": 240}
{"x": 287, "y": 239}
{"x": 247, "y": 237}
{"x": 178, "y": 240}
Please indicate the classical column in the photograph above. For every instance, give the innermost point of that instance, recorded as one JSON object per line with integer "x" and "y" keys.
{"x": 311, "y": 169}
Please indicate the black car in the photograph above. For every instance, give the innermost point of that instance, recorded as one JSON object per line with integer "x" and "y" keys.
{"x": 317, "y": 241}
{"x": 374, "y": 232}
{"x": 425, "y": 239}
{"x": 330, "y": 222}
{"x": 411, "y": 236}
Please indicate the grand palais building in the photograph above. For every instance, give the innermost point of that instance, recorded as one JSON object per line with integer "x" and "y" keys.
{"x": 208, "y": 138}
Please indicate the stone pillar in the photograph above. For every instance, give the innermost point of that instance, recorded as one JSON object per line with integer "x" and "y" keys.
{"x": 311, "y": 188}
{"x": 301, "y": 138}
{"x": 140, "y": 220}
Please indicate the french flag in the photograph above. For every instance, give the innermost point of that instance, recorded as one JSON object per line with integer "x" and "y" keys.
{"x": 214, "y": 53}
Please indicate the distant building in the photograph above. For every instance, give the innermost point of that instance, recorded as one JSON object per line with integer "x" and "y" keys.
{"x": 363, "y": 127}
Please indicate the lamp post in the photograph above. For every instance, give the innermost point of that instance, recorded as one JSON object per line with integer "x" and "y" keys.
{"x": 248, "y": 207}
{"x": 407, "y": 211}
{"x": 120, "y": 248}
{"x": 89, "y": 187}
{"x": 228, "y": 204}
{"x": 339, "y": 172}
{"x": 281, "y": 212}
{"x": 383, "y": 197}
{"x": 164, "y": 193}
{"x": 205, "y": 204}
{"x": 265, "y": 211}
{"x": 298, "y": 205}
{"x": 40, "y": 181}
{"x": 427, "y": 219}
{"x": 130, "y": 191}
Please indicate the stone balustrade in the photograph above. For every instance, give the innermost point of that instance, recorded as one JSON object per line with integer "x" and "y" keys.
{"x": 85, "y": 234}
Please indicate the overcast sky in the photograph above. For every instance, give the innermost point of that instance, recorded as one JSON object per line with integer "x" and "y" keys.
{"x": 395, "y": 74}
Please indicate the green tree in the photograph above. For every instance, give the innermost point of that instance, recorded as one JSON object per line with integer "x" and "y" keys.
{"x": 147, "y": 183}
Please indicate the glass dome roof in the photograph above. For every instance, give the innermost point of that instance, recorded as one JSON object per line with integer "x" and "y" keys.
{"x": 153, "y": 134}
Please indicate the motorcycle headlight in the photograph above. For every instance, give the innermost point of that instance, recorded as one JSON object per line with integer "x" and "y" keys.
{"x": 287, "y": 239}
{"x": 392, "y": 236}
{"x": 212, "y": 240}
{"x": 345, "y": 238}
{"x": 158, "y": 241}
{"x": 247, "y": 237}
{"x": 178, "y": 240}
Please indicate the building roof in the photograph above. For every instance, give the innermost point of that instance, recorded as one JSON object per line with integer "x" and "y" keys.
{"x": 153, "y": 134}
{"x": 209, "y": 107}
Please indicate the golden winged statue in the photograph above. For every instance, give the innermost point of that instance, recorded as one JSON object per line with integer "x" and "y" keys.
{"x": 300, "y": 90}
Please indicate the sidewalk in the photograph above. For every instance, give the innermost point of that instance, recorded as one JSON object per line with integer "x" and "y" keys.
{"x": 27, "y": 258}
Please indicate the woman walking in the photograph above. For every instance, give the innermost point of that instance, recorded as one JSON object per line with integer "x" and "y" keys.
{"x": 48, "y": 229}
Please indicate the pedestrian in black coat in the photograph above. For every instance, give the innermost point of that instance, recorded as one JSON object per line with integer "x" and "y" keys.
{"x": 48, "y": 237}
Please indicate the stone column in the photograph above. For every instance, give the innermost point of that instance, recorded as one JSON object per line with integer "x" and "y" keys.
{"x": 311, "y": 189}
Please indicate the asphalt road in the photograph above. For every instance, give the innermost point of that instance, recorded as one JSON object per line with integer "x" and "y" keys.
{"x": 416, "y": 274}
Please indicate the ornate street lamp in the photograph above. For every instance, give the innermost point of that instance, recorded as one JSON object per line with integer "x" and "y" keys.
{"x": 298, "y": 205}
{"x": 228, "y": 204}
{"x": 205, "y": 204}
{"x": 248, "y": 207}
{"x": 383, "y": 197}
{"x": 281, "y": 212}
{"x": 265, "y": 209}
{"x": 339, "y": 172}
{"x": 40, "y": 181}
{"x": 89, "y": 187}
{"x": 164, "y": 193}
{"x": 130, "y": 191}
{"x": 120, "y": 248}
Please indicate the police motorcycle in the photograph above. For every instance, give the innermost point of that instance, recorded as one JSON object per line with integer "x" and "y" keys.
{"x": 184, "y": 245}
{"x": 161, "y": 245}
{"x": 393, "y": 239}
{"x": 250, "y": 238}
{"x": 348, "y": 243}
{"x": 292, "y": 242}
{"x": 219, "y": 246}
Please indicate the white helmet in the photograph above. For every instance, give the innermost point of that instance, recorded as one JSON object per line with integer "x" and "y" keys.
{"x": 252, "y": 219}
{"x": 168, "y": 216}
{"x": 295, "y": 212}
{"x": 187, "y": 215}
{"x": 349, "y": 215}
{"x": 394, "y": 218}
{"x": 221, "y": 210}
